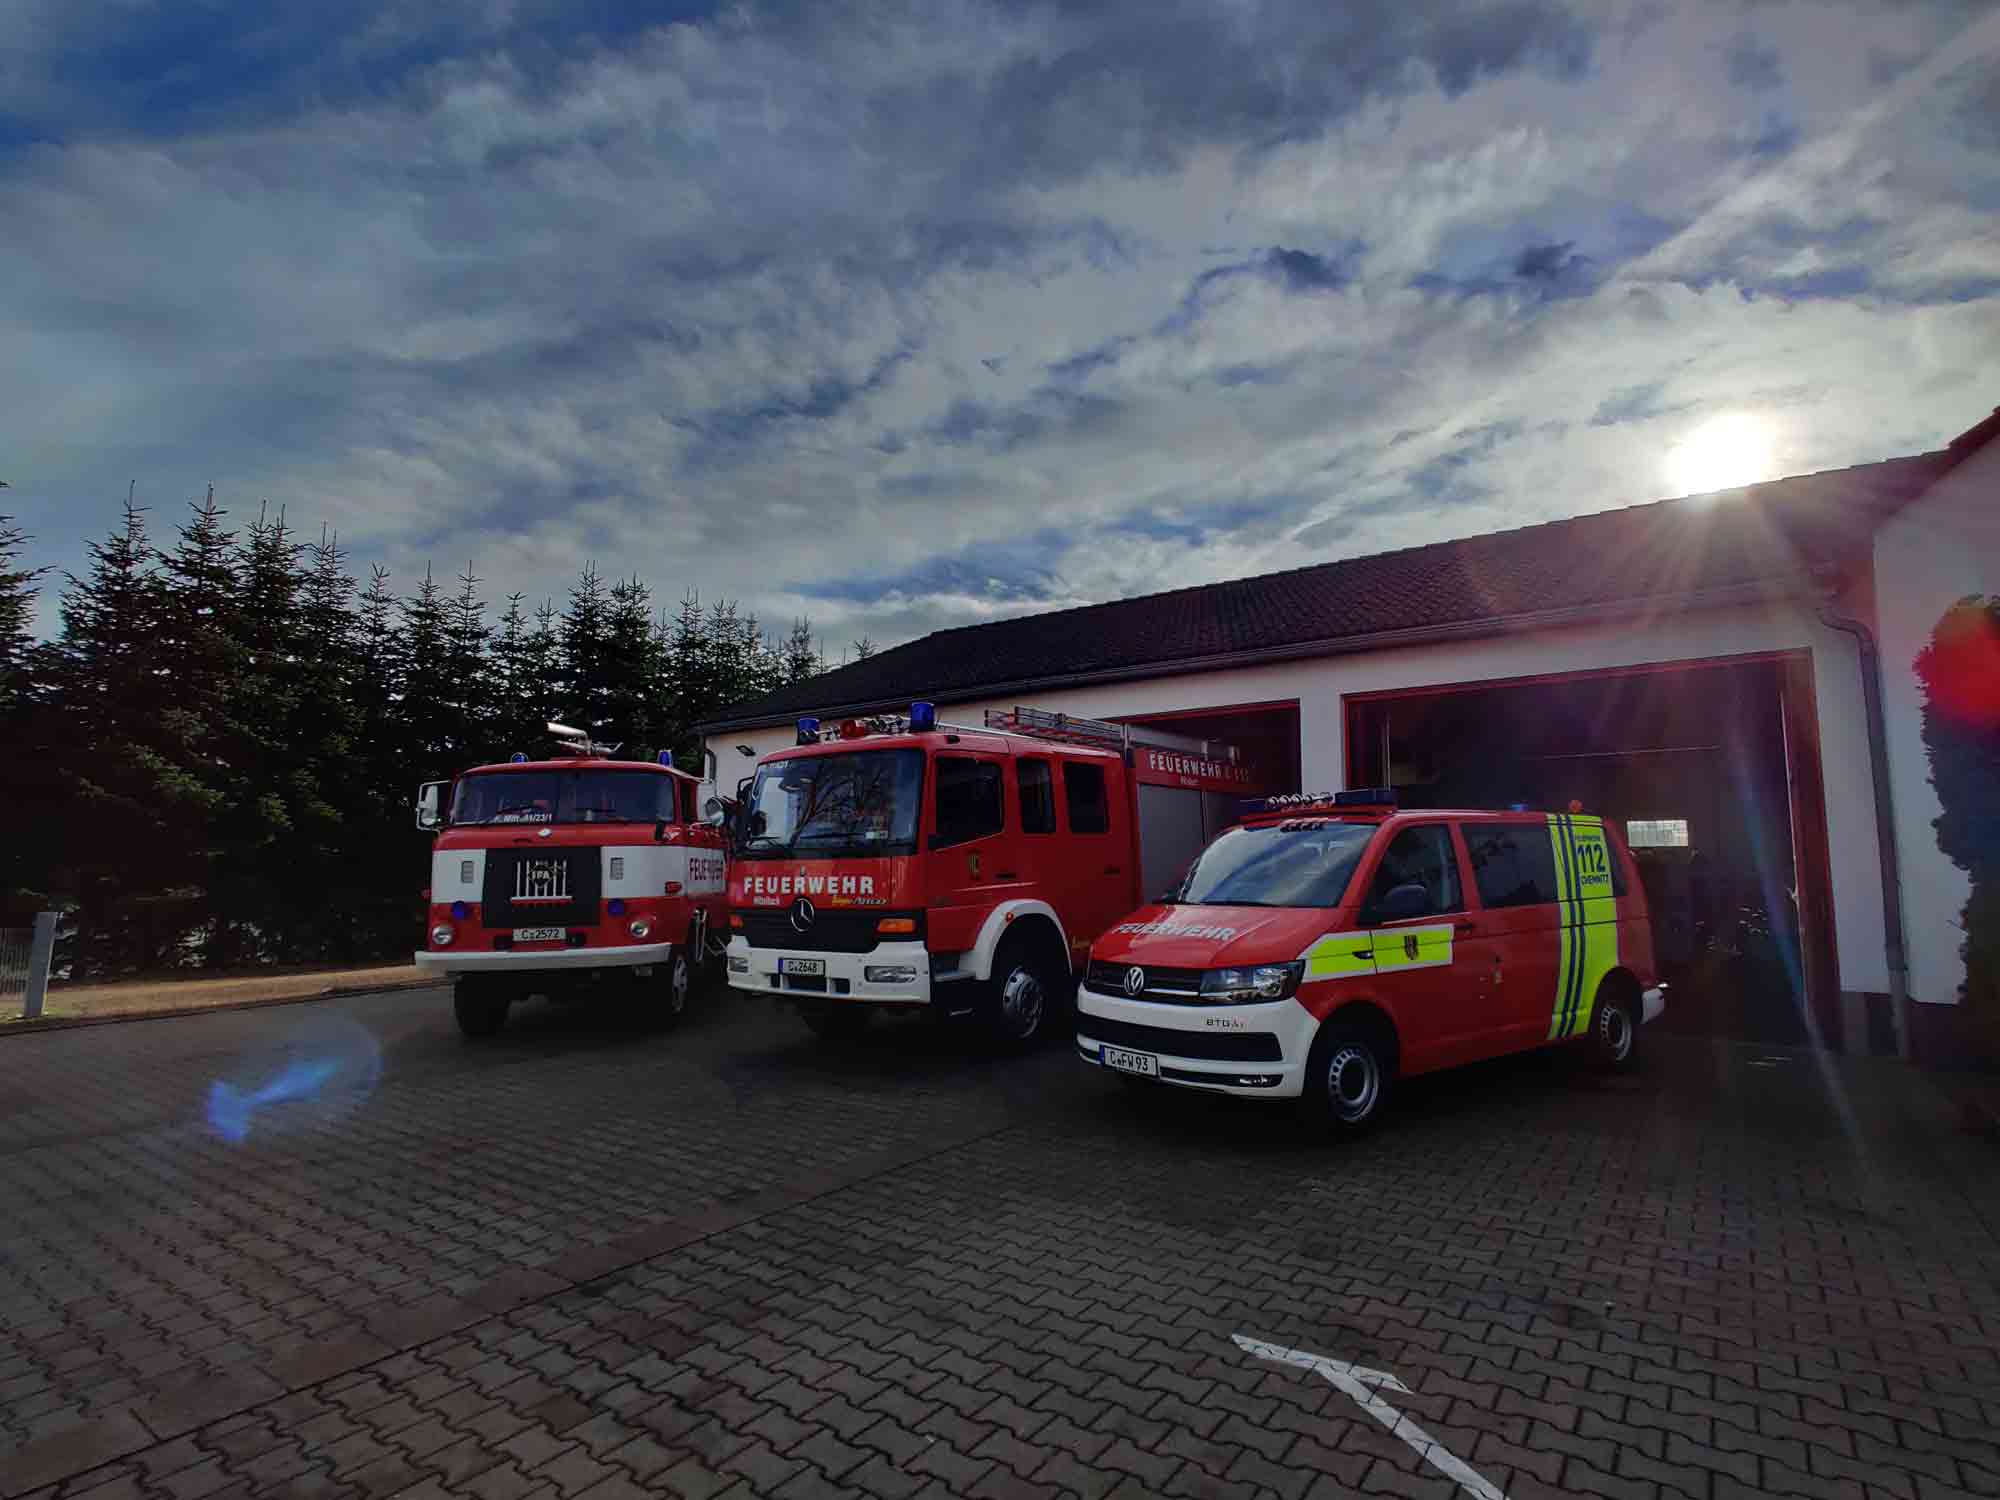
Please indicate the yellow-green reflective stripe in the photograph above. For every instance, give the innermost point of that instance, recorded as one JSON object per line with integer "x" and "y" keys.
{"x": 1412, "y": 948}
{"x": 1587, "y": 929}
{"x": 1339, "y": 955}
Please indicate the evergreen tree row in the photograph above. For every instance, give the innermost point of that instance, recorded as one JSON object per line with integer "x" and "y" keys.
{"x": 215, "y": 757}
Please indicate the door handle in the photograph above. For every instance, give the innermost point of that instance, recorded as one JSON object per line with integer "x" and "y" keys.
{"x": 1465, "y": 926}
{"x": 1113, "y": 869}
{"x": 1005, "y": 875}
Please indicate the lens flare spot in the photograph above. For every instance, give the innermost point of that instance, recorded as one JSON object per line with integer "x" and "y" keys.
{"x": 318, "y": 1071}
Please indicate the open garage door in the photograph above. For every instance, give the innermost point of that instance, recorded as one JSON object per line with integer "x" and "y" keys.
{"x": 1711, "y": 768}
{"x": 1194, "y": 769}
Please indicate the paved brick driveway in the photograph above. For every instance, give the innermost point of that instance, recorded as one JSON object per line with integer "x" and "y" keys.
{"x": 586, "y": 1261}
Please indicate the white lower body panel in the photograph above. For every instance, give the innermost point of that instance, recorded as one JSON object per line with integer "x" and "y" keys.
{"x": 531, "y": 961}
{"x": 757, "y": 971}
{"x": 1252, "y": 1078}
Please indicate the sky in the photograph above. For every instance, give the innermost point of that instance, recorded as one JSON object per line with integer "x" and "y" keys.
{"x": 909, "y": 315}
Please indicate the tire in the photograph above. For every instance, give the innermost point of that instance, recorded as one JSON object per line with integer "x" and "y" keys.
{"x": 1023, "y": 998}
{"x": 666, "y": 995}
{"x": 481, "y": 1010}
{"x": 836, "y": 1022}
{"x": 1614, "y": 1025}
{"x": 1349, "y": 1076}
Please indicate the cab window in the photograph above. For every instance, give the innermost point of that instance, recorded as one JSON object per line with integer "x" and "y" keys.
{"x": 1083, "y": 789}
{"x": 1421, "y": 856}
{"x": 968, "y": 800}
{"x": 1513, "y": 864}
{"x": 1037, "y": 786}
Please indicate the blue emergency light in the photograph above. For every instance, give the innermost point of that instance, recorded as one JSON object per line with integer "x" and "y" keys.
{"x": 518, "y": 758}
{"x": 460, "y": 911}
{"x": 923, "y": 716}
{"x": 809, "y": 731}
{"x": 666, "y": 757}
{"x": 614, "y": 907}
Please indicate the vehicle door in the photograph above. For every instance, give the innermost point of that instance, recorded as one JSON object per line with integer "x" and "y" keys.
{"x": 1414, "y": 910}
{"x": 967, "y": 844}
{"x": 1094, "y": 888}
{"x": 1514, "y": 877}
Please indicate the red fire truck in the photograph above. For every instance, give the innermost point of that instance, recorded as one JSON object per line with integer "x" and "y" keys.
{"x": 561, "y": 875}
{"x": 903, "y": 864}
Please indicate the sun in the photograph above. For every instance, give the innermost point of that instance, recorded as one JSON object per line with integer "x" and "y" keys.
{"x": 1722, "y": 453}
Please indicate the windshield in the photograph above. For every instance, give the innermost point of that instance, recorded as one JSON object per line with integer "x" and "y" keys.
{"x": 598, "y": 796}
{"x": 825, "y": 806}
{"x": 1304, "y": 863}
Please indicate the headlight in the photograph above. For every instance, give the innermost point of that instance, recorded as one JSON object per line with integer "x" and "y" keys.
{"x": 640, "y": 927}
{"x": 1252, "y": 986}
{"x": 441, "y": 936}
{"x": 889, "y": 973}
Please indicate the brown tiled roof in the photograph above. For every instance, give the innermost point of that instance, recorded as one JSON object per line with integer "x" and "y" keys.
{"x": 1765, "y": 538}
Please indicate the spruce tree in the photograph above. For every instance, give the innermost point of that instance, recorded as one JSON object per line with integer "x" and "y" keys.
{"x": 424, "y": 714}
{"x": 472, "y": 704}
{"x": 585, "y": 637}
{"x": 801, "y": 655}
{"x": 631, "y": 713}
{"x": 18, "y": 588}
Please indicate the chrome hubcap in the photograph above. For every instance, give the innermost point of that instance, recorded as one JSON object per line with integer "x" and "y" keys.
{"x": 1616, "y": 1031}
{"x": 1021, "y": 1002}
{"x": 1353, "y": 1082}
{"x": 677, "y": 986}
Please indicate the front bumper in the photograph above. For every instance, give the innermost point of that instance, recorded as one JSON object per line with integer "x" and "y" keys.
{"x": 507, "y": 961}
{"x": 845, "y": 978}
{"x": 1204, "y": 1028}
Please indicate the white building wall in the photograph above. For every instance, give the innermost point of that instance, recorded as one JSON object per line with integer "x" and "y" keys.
{"x": 1318, "y": 686}
{"x": 1935, "y": 553}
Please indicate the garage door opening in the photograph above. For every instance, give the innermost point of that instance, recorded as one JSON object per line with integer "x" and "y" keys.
{"x": 1711, "y": 769}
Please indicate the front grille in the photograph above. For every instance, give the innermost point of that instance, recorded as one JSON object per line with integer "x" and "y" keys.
{"x": 1170, "y": 986}
{"x": 541, "y": 888}
{"x": 829, "y": 931}
{"x": 1209, "y": 1046}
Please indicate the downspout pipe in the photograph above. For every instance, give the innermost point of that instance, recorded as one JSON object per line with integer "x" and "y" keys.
{"x": 1885, "y": 823}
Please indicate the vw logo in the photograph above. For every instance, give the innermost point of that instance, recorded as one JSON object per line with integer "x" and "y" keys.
{"x": 1135, "y": 980}
{"x": 802, "y": 914}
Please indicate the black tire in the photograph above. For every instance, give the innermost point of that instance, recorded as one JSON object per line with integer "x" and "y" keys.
{"x": 480, "y": 1008}
{"x": 1349, "y": 1076}
{"x": 1614, "y": 1025}
{"x": 836, "y": 1022}
{"x": 664, "y": 997}
{"x": 1024, "y": 996}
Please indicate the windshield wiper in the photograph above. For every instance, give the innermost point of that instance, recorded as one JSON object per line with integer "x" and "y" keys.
{"x": 763, "y": 840}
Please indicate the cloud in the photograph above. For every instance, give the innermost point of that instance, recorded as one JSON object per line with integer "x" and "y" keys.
{"x": 906, "y": 315}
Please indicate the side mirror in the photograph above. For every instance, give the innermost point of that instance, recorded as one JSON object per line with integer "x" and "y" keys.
{"x": 430, "y": 804}
{"x": 1403, "y": 902}
{"x": 714, "y": 813}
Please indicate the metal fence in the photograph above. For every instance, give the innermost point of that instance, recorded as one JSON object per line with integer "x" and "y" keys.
{"x": 23, "y": 952}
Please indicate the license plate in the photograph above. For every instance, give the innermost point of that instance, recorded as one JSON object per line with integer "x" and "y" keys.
{"x": 1143, "y": 1063}
{"x": 539, "y": 934}
{"x": 814, "y": 966}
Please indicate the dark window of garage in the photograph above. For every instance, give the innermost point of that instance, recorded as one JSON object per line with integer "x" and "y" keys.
{"x": 968, "y": 800}
{"x": 1037, "y": 784}
{"x": 1083, "y": 789}
{"x": 1514, "y": 864}
{"x": 1420, "y": 856}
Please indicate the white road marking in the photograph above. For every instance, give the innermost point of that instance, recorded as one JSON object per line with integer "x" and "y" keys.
{"x": 1362, "y": 1385}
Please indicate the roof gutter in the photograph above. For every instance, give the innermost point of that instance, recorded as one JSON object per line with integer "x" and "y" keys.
{"x": 1807, "y": 584}
{"x": 1870, "y": 661}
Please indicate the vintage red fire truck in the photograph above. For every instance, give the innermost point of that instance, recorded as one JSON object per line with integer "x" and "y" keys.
{"x": 571, "y": 874}
{"x": 907, "y": 865}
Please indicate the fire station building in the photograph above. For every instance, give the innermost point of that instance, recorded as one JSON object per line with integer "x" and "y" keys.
{"x": 1730, "y": 676}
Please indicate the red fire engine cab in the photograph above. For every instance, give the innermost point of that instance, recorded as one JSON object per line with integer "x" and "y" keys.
{"x": 553, "y": 876}
{"x": 904, "y": 864}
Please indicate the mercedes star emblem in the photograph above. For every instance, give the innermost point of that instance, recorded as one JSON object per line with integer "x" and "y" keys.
{"x": 802, "y": 914}
{"x": 1135, "y": 980}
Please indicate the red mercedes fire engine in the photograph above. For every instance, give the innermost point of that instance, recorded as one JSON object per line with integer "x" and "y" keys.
{"x": 906, "y": 864}
{"x": 554, "y": 876}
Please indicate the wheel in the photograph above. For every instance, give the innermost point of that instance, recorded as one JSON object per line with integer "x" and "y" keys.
{"x": 1614, "y": 1026}
{"x": 481, "y": 1010}
{"x": 667, "y": 1000}
{"x": 835, "y": 1021}
{"x": 1348, "y": 1076}
{"x": 1023, "y": 998}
